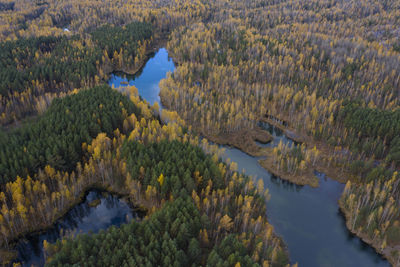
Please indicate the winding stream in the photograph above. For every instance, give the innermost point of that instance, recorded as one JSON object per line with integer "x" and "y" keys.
{"x": 307, "y": 218}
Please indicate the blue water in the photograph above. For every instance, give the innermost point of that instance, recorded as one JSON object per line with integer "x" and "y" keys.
{"x": 307, "y": 218}
{"x": 146, "y": 81}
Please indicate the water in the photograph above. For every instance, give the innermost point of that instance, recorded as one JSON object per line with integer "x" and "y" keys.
{"x": 277, "y": 135}
{"x": 307, "y": 218}
{"x": 83, "y": 218}
{"x": 111, "y": 210}
{"x": 146, "y": 80}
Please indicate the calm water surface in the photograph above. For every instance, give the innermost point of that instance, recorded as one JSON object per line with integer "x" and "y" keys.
{"x": 147, "y": 79}
{"x": 83, "y": 218}
{"x": 307, "y": 218}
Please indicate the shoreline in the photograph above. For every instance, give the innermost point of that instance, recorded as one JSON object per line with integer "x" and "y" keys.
{"x": 335, "y": 173}
{"x": 385, "y": 253}
{"x": 11, "y": 253}
{"x": 244, "y": 140}
{"x": 306, "y": 178}
{"x": 80, "y": 199}
{"x": 158, "y": 43}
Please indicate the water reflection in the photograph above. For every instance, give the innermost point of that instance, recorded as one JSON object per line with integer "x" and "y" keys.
{"x": 148, "y": 78}
{"x": 86, "y": 217}
{"x": 285, "y": 184}
{"x": 277, "y": 134}
{"x": 307, "y": 218}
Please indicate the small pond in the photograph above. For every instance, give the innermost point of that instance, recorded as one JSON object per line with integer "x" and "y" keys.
{"x": 98, "y": 211}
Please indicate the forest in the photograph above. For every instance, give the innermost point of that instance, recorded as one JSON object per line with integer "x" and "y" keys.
{"x": 35, "y": 70}
{"x": 325, "y": 72}
{"x": 322, "y": 72}
{"x": 55, "y": 139}
{"x": 201, "y": 221}
{"x": 221, "y": 214}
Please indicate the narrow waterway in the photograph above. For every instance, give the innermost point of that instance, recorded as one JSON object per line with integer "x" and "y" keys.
{"x": 99, "y": 210}
{"x": 307, "y": 218}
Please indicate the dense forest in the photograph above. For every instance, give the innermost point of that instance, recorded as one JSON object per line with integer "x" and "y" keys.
{"x": 35, "y": 70}
{"x": 162, "y": 169}
{"x": 49, "y": 150}
{"x": 62, "y": 59}
{"x": 56, "y": 138}
{"x": 172, "y": 236}
{"x": 326, "y": 72}
{"x": 201, "y": 221}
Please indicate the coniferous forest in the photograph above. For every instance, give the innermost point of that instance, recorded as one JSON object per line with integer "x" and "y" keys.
{"x": 324, "y": 74}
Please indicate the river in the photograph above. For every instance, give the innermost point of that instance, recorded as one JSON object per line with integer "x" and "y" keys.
{"x": 307, "y": 218}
